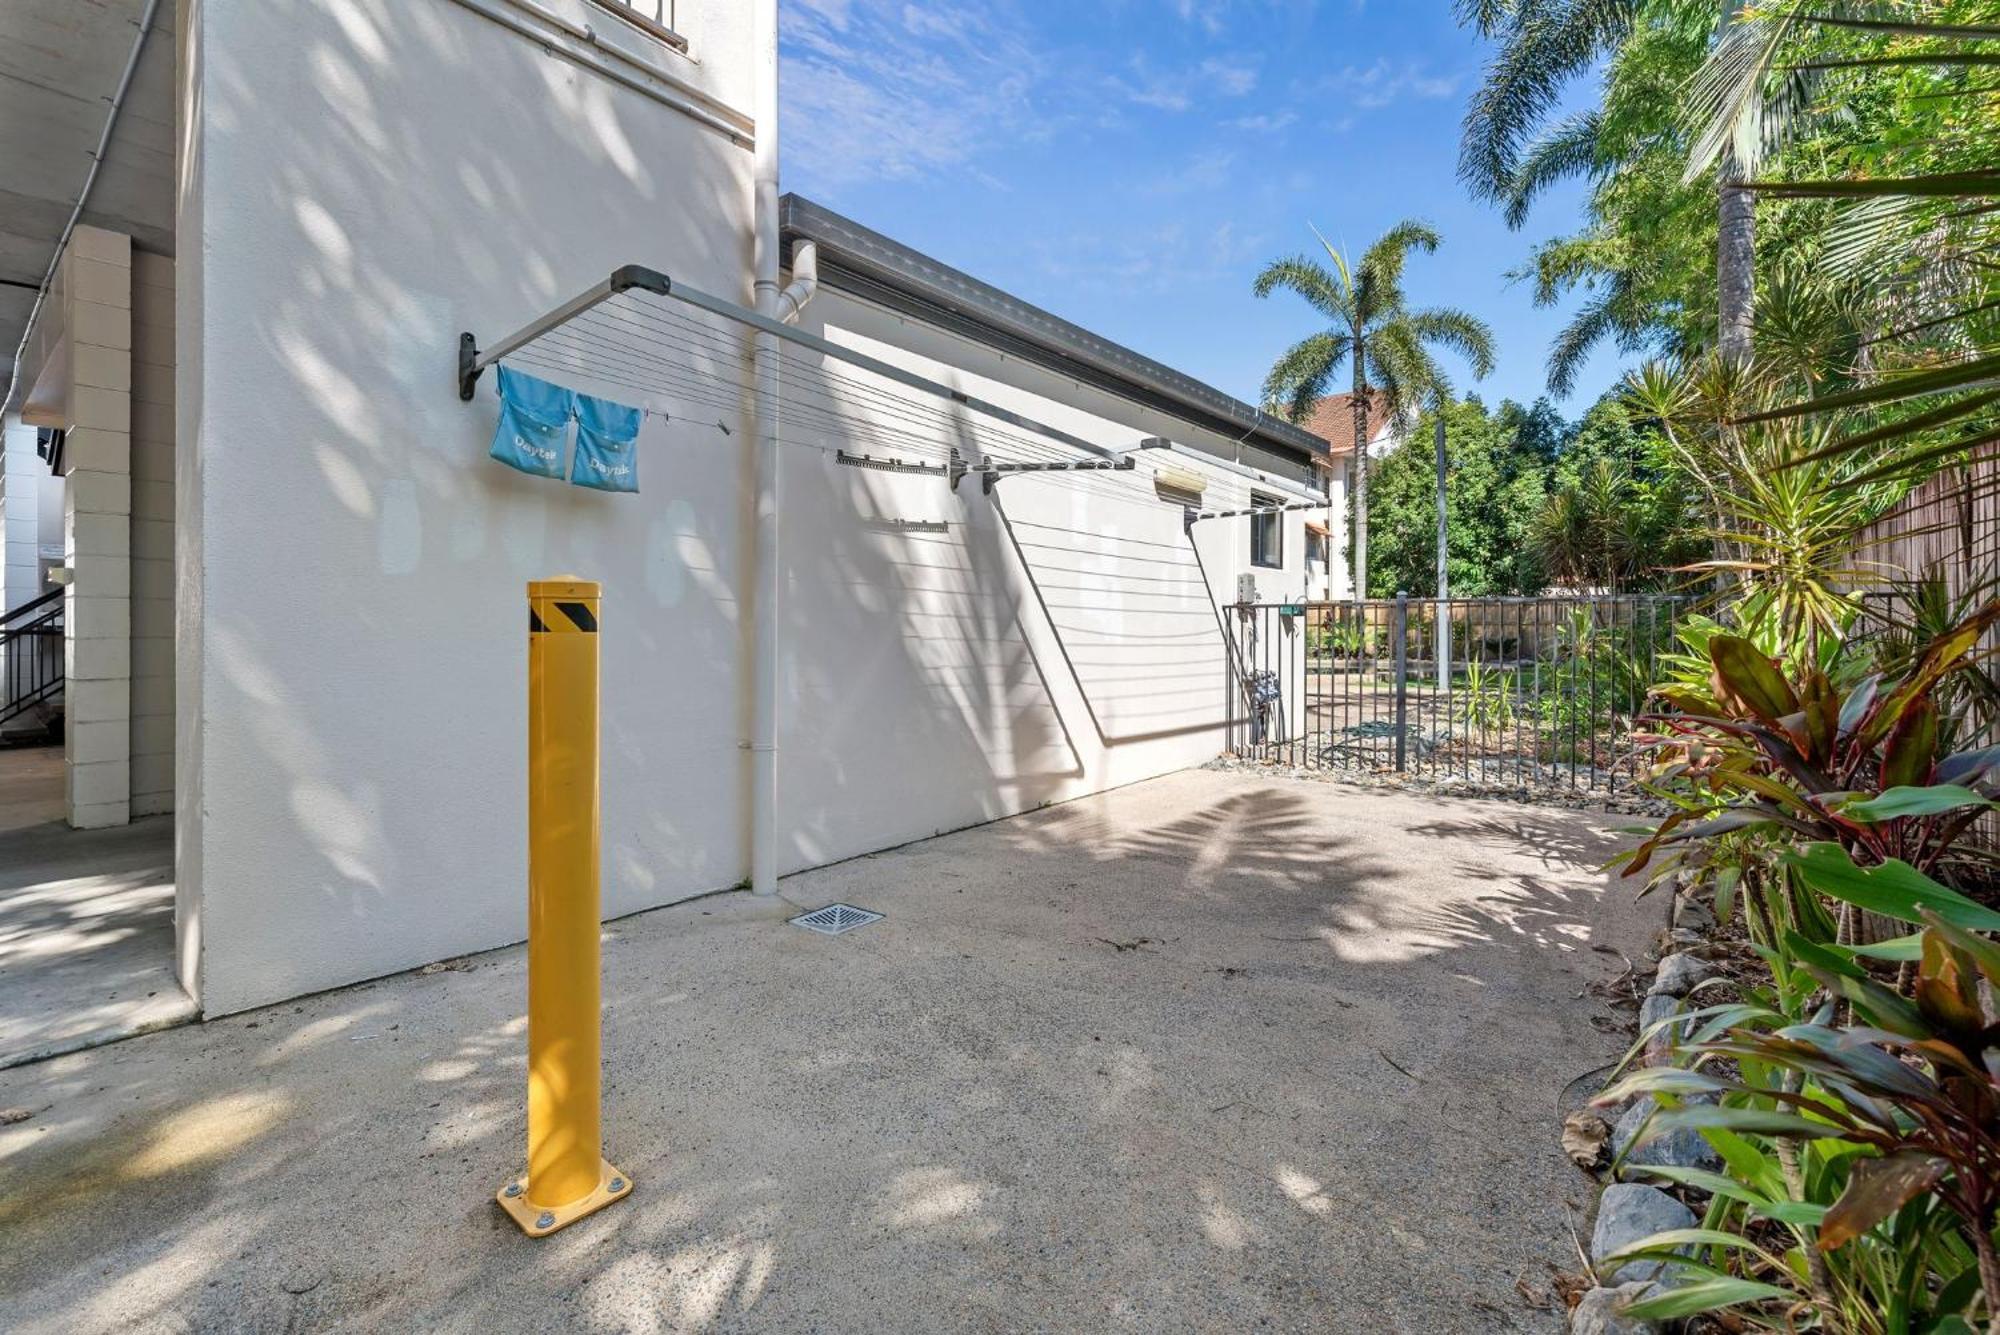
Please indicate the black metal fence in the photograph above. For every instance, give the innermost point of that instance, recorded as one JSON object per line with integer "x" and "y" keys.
{"x": 31, "y": 655}
{"x": 1528, "y": 692}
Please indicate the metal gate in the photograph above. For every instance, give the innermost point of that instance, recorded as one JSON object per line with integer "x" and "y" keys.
{"x": 1517, "y": 692}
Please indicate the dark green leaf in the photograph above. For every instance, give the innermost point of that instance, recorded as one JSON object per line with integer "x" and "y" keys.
{"x": 1895, "y": 951}
{"x": 1751, "y": 1121}
{"x": 1859, "y": 701}
{"x": 1702, "y": 1295}
{"x": 1970, "y": 768}
{"x": 1906, "y": 800}
{"x": 1895, "y": 889}
{"x": 1743, "y": 671}
{"x": 1939, "y": 185}
{"x": 1955, "y": 376}
{"x": 1910, "y": 751}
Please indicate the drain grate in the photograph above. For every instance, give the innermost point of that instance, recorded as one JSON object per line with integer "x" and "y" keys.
{"x": 835, "y": 919}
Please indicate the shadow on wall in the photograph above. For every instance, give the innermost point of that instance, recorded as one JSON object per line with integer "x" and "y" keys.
{"x": 1247, "y": 1039}
{"x": 364, "y": 732}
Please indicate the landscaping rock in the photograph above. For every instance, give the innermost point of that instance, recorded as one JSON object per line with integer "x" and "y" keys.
{"x": 1626, "y": 1213}
{"x": 1693, "y": 914}
{"x": 1601, "y": 1312}
{"x": 1684, "y": 938}
{"x": 1679, "y": 973}
{"x": 1657, "y": 1007}
{"x": 1678, "y": 1149}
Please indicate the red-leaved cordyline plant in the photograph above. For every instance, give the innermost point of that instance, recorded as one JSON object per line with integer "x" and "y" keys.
{"x": 1807, "y": 760}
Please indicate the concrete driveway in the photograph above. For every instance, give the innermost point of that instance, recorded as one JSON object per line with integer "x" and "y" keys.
{"x": 1208, "y": 1053}
{"x": 86, "y": 937}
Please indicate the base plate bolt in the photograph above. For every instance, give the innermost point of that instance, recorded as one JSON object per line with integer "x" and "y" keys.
{"x": 545, "y": 1219}
{"x": 514, "y": 1190}
{"x": 617, "y": 1184}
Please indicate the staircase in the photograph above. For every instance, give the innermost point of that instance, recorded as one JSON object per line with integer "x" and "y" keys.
{"x": 31, "y": 669}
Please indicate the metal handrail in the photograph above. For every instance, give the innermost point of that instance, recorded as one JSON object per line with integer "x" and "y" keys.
{"x": 34, "y": 674}
{"x": 42, "y": 600}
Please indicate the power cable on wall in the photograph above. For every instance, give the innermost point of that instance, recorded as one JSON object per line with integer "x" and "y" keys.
{"x": 82, "y": 199}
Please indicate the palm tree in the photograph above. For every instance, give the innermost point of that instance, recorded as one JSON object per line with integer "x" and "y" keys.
{"x": 1385, "y": 345}
{"x": 1510, "y": 152}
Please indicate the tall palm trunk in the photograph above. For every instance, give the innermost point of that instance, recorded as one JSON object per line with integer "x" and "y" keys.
{"x": 1735, "y": 243}
{"x": 1735, "y": 263}
{"x": 1360, "y": 470}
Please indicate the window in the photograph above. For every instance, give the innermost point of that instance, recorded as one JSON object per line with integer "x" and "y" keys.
{"x": 1315, "y": 549}
{"x": 1267, "y": 534}
{"x": 655, "y": 18}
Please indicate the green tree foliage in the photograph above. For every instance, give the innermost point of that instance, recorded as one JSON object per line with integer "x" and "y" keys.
{"x": 1494, "y": 486}
{"x": 1505, "y": 470}
{"x": 1620, "y": 510}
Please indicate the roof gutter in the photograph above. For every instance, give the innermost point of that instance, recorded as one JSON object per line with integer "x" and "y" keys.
{"x": 867, "y": 264}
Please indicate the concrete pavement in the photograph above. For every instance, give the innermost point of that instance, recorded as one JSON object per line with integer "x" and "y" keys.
{"x": 86, "y": 937}
{"x": 1213, "y": 1052}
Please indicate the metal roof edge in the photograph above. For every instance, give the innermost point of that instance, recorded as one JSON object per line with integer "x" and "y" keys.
{"x": 866, "y": 263}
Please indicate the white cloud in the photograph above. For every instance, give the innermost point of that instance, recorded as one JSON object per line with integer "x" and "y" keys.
{"x": 1205, "y": 171}
{"x": 1233, "y": 77}
{"x": 878, "y": 89}
{"x": 1264, "y": 122}
{"x": 835, "y": 13}
{"x": 1136, "y": 260}
{"x": 1386, "y": 83}
{"x": 1179, "y": 89}
{"x": 1213, "y": 16}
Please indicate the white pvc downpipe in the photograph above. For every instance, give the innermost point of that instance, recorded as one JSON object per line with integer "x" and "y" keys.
{"x": 805, "y": 282}
{"x": 765, "y": 574}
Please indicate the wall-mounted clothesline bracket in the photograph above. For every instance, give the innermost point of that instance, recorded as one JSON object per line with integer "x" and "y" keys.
{"x": 473, "y": 360}
{"x": 1190, "y": 517}
{"x": 989, "y": 474}
{"x": 888, "y": 465}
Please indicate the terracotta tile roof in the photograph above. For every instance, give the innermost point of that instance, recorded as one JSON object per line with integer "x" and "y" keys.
{"x": 1332, "y": 420}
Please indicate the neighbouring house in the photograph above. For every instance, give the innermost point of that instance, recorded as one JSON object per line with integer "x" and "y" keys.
{"x": 295, "y": 579}
{"x": 1332, "y": 420}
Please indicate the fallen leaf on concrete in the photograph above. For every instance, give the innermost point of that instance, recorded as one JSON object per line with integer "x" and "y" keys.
{"x": 1584, "y": 1137}
{"x": 448, "y": 966}
{"x": 1571, "y": 1287}
{"x": 1122, "y": 946}
{"x": 1531, "y": 1295}
{"x": 9, "y": 1116}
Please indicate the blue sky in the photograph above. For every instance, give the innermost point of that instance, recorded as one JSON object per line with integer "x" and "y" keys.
{"x": 1131, "y": 164}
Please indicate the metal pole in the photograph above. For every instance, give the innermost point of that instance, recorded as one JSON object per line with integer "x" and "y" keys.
{"x": 1402, "y": 678}
{"x": 1443, "y": 574}
{"x": 567, "y": 1175}
{"x": 767, "y": 583}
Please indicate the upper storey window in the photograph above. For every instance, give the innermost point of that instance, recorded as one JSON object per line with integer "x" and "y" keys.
{"x": 655, "y": 18}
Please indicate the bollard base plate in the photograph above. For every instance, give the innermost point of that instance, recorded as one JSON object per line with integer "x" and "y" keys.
{"x": 531, "y": 1217}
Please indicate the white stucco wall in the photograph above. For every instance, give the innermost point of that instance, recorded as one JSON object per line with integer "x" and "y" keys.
{"x": 361, "y": 180}
{"x": 930, "y": 682}
{"x": 21, "y": 478}
{"x": 368, "y": 179}
{"x": 28, "y": 493}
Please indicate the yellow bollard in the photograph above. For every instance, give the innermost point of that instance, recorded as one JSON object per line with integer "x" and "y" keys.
{"x": 567, "y": 1175}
